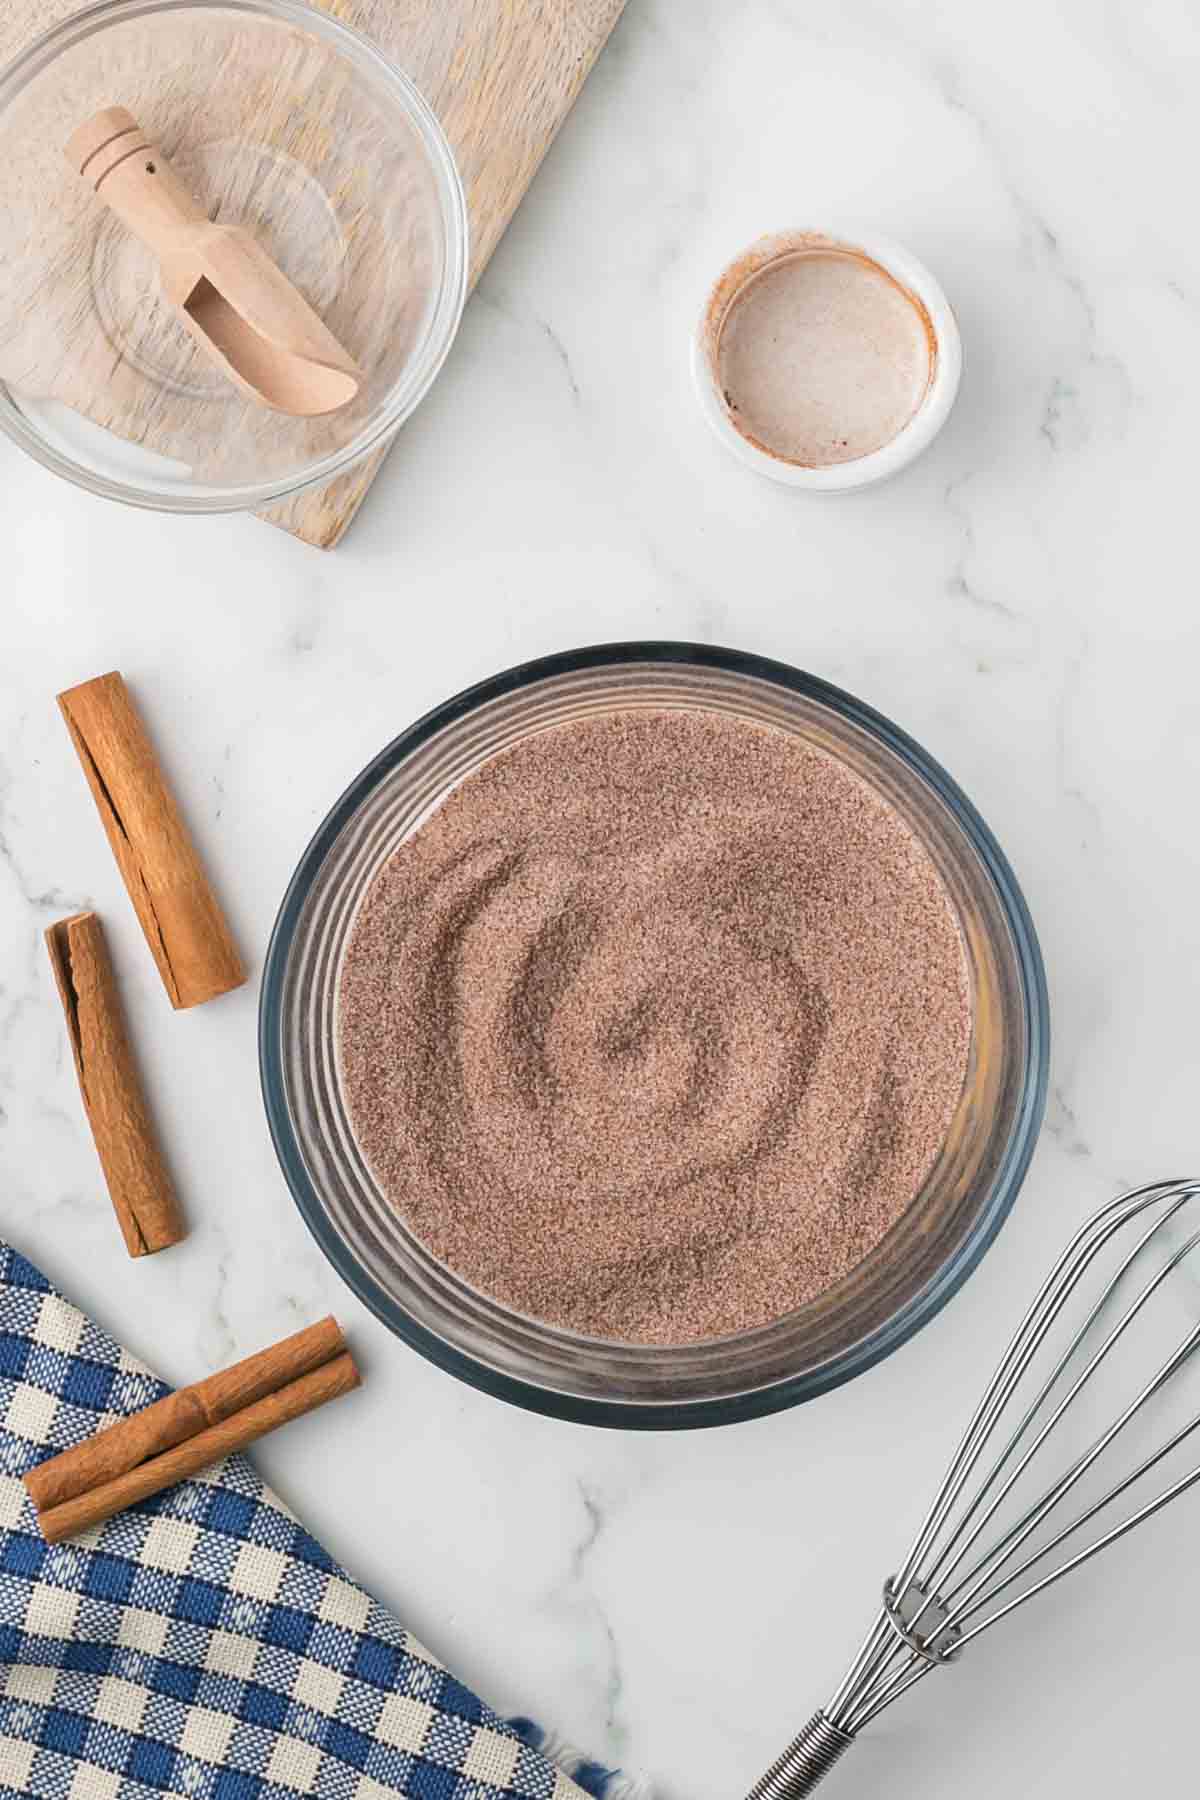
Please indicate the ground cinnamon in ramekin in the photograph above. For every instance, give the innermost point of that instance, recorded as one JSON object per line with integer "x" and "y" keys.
{"x": 656, "y": 1026}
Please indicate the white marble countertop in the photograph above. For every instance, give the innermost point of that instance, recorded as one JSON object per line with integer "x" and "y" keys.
{"x": 1022, "y": 600}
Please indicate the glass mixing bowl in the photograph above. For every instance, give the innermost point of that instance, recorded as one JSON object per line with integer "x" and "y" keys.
{"x": 279, "y": 118}
{"x": 926, "y": 1256}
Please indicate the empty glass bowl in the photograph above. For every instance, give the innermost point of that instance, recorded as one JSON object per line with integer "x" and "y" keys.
{"x": 279, "y": 118}
{"x": 892, "y": 1293}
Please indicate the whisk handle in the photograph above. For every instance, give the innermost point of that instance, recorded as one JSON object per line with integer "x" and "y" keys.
{"x": 805, "y": 1762}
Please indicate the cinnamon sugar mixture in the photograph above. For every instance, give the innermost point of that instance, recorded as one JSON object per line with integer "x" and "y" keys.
{"x": 656, "y": 1025}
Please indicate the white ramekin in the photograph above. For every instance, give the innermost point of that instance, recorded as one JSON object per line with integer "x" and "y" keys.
{"x": 926, "y": 422}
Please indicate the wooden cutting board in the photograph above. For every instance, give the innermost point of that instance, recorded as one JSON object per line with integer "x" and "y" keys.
{"x": 501, "y": 75}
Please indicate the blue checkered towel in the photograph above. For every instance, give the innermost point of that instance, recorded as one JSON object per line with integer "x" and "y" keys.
{"x": 202, "y": 1644}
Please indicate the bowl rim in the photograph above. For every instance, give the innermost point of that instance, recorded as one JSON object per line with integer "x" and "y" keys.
{"x": 917, "y": 281}
{"x": 423, "y": 367}
{"x": 792, "y": 1390}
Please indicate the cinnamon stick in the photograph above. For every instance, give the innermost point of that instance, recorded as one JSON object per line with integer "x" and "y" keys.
{"x": 138, "y": 1183}
{"x": 178, "y": 911}
{"x": 181, "y": 1415}
{"x": 333, "y": 1378}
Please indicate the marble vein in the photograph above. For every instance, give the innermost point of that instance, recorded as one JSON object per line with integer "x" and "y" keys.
{"x": 1021, "y": 601}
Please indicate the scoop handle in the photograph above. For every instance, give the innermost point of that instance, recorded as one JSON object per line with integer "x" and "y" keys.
{"x": 132, "y": 176}
{"x": 239, "y": 306}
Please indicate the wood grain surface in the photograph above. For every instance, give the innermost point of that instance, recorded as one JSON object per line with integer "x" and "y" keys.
{"x": 501, "y": 76}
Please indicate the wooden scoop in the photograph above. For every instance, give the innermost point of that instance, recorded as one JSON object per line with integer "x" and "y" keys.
{"x": 241, "y": 308}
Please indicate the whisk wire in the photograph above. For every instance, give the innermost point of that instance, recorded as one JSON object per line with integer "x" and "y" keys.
{"x": 1033, "y": 1517}
{"x": 943, "y": 1596}
{"x": 882, "y": 1693}
{"x": 1110, "y": 1537}
{"x": 1057, "y": 1288}
{"x": 1084, "y": 1518}
{"x": 1073, "y": 1272}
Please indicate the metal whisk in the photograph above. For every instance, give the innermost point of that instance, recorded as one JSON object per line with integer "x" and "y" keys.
{"x": 1013, "y": 1514}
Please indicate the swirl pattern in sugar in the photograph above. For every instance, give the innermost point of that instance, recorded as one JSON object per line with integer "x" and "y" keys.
{"x": 656, "y": 1025}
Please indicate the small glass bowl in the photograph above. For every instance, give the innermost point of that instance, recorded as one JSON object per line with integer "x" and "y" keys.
{"x": 904, "y": 1281}
{"x": 280, "y": 118}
